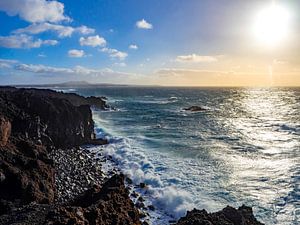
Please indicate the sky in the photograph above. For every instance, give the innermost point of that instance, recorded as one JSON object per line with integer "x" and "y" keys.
{"x": 150, "y": 42}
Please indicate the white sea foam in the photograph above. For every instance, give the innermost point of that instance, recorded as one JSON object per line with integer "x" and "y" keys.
{"x": 170, "y": 202}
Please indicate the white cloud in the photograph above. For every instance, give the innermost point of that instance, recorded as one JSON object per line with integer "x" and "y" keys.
{"x": 23, "y": 41}
{"x": 7, "y": 63}
{"x": 42, "y": 69}
{"x": 35, "y": 10}
{"x": 62, "y": 31}
{"x": 135, "y": 47}
{"x": 50, "y": 42}
{"x": 196, "y": 58}
{"x": 76, "y": 53}
{"x": 143, "y": 24}
{"x": 77, "y": 70}
{"x": 93, "y": 41}
{"x": 121, "y": 64}
{"x": 114, "y": 53}
{"x": 85, "y": 30}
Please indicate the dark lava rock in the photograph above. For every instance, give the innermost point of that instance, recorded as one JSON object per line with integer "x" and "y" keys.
{"x": 49, "y": 117}
{"x": 98, "y": 141}
{"x": 151, "y": 207}
{"x": 142, "y": 185}
{"x": 195, "y": 109}
{"x": 228, "y": 216}
{"x": 32, "y": 214}
{"x": 27, "y": 174}
{"x": 104, "y": 205}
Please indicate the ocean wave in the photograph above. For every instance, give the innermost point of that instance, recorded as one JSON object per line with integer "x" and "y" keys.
{"x": 289, "y": 128}
{"x": 139, "y": 169}
{"x": 158, "y": 102}
{"x": 170, "y": 202}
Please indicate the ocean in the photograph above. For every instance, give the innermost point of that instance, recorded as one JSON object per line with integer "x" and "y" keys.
{"x": 244, "y": 149}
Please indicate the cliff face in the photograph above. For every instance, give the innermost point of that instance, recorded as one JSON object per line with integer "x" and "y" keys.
{"x": 32, "y": 122}
{"x": 48, "y": 117}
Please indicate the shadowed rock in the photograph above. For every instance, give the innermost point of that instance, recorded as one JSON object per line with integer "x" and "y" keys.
{"x": 100, "y": 206}
{"x": 49, "y": 117}
{"x": 27, "y": 175}
{"x": 228, "y": 216}
{"x": 195, "y": 109}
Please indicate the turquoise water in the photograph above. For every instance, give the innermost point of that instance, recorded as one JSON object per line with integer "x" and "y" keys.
{"x": 244, "y": 149}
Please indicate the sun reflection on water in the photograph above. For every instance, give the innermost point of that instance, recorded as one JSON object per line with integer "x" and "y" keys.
{"x": 265, "y": 170}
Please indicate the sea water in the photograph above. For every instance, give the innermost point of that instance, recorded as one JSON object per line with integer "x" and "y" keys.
{"x": 243, "y": 149}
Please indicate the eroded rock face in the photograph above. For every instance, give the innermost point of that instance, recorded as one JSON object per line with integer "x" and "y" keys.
{"x": 105, "y": 205}
{"x": 228, "y": 216}
{"x": 5, "y": 130}
{"x": 27, "y": 175}
{"x": 46, "y": 117}
{"x": 36, "y": 121}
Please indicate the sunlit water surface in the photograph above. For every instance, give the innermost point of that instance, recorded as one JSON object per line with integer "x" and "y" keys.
{"x": 245, "y": 149}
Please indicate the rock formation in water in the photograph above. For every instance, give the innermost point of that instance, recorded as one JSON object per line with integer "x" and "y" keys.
{"x": 228, "y": 216}
{"x": 195, "y": 109}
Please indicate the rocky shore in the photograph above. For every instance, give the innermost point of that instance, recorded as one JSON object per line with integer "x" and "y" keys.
{"x": 47, "y": 176}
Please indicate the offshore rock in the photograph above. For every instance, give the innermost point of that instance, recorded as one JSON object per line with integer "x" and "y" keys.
{"x": 228, "y": 216}
{"x": 195, "y": 109}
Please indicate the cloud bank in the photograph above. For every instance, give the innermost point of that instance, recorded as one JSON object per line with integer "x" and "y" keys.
{"x": 35, "y": 11}
{"x": 24, "y": 41}
{"x": 194, "y": 58}
{"x": 62, "y": 31}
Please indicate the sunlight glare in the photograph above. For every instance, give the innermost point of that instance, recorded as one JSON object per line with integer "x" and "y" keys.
{"x": 271, "y": 25}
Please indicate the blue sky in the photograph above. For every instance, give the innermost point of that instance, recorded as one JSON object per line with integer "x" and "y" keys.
{"x": 170, "y": 42}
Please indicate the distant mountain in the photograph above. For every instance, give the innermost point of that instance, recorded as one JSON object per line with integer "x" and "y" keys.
{"x": 72, "y": 84}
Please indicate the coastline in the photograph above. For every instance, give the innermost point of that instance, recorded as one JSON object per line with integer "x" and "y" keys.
{"x": 78, "y": 200}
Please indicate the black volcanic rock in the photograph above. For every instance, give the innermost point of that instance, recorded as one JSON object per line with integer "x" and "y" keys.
{"x": 195, "y": 109}
{"x": 27, "y": 175}
{"x": 49, "y": 117}
{"x": 228, "y": 216}
{"x": 104, "y": 205}
{"x": 33, "y": 122}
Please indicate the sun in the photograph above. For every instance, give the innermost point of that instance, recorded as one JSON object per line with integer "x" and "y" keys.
{"x": 271, "y": 25}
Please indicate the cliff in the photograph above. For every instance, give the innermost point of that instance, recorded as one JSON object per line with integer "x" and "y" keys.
{"x": 35, "y": 123}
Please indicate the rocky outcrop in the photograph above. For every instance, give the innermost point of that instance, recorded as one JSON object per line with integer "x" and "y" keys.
{"x": 39, "y": 130}
{"x": 228, "y": 216}
{"x": 27, "y": 175}
{"x": 32, "y": 123}
{"x": 100, "y": 206}
{"x": 195, "y": 109}
{"x": 49, "y": 117}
